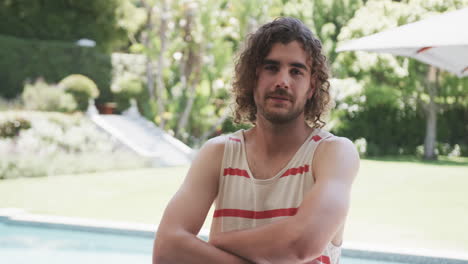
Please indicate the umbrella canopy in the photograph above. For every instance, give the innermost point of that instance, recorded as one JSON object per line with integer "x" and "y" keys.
{"x": 441, "y": 41}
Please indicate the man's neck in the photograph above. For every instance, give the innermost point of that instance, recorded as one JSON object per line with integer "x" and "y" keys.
{"x": 273, "y": 139}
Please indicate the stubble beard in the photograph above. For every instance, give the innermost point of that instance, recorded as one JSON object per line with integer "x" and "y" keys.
{"x": 278, "y": 117}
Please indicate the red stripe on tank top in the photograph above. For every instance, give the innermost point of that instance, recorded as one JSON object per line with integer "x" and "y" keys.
{"x": 236, "y": 172}
{"x": 321, "y": 260}
{"x": 255, "y": 214}
{"x": 234, "y": 139}
{"x": 316, "y": 138}
{"x": 294, "y": 171}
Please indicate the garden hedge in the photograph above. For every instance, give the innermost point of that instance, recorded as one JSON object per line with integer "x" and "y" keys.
{"x": 391, "y": 131}
{"x": 28, "y": 59}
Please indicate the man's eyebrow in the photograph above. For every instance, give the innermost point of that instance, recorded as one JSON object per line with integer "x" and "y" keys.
{"x": 299, "y": 65}
{"x": 269, "y": 61}
{"x": 294, "y": 64}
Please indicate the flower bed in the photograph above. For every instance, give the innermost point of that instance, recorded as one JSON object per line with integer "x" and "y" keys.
{"x": 57, "y": 143}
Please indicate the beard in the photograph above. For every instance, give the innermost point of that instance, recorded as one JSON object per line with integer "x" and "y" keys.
{"x": 279, "y": 117}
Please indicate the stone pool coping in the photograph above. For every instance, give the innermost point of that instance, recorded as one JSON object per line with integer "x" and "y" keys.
{"x": 15, "y": 216}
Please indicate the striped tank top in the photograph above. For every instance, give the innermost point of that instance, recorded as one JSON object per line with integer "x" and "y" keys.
{"x": 245, "y": 202}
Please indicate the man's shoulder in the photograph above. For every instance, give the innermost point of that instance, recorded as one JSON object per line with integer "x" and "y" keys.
{"x": 336, "y": 147}
{"x": 209, "y": 158}
{"x": 216, "y": 143}
{"x": 213, "y": 149}
{"x": 337, "y": 150}
{"x": 215, "y": 146}
{"x": 336, "y": 142}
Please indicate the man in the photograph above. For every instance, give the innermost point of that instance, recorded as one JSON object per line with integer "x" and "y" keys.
{"x": 281, "y": 188}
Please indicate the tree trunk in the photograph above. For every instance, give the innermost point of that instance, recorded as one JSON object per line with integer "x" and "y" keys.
{"x": 183, "y": 120}
{"x": 160, "y": 78}
{"x": 192, "y": 78}
{"x": 431, "y": 115}
{"x": 146, "y": 39}
{"x": 191, "y": 71}
{"x": 150, "y": 77}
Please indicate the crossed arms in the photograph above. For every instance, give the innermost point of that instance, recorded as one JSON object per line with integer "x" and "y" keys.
{"x": 296, "y": 239}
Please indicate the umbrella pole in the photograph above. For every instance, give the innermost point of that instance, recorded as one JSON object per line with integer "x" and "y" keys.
{"x": 430, "y": 140}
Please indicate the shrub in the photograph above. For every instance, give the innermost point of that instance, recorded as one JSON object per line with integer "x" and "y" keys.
{"x": 10, "y": 104}
{"x": 53, "y": 60}
{"x": 41, "y": 96}
{"x": 125, "y": 88}
{"x": 456, "y": 151}
{"x": 81, "y": 87}
{"x": 32, "y": 165}
{"x": 61, "y": 144}
{"x": 12, "y": 128}
{"x": 361, "y": 146}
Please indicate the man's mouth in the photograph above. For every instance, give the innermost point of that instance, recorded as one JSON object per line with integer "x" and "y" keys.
{"x": 279, "y": 98}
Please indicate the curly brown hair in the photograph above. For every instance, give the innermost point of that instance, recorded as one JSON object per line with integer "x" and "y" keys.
{"x": 281, "y": 30}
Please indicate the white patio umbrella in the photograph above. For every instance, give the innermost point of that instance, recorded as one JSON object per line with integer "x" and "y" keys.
{"x": 441, "y": 41}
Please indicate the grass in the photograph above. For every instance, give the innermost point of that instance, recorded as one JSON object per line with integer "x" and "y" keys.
{"x": 394, "y": 202}
{"x": 441, "y": 161}
{"x": 410, "y": 204}
{"x": 132, "y": 195}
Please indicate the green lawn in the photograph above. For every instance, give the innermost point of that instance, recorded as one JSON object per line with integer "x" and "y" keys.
{"x": 411, "y": 204}
{"x": 394, "y": 202}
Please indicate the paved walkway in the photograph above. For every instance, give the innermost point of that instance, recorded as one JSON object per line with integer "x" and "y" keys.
{"x": 144, "y": 137}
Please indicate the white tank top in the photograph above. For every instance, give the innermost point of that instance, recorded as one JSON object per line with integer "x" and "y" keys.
{"x": 245, "y": 202}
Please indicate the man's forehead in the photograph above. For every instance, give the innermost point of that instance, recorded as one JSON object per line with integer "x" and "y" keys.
{"x": 291, "y": 53}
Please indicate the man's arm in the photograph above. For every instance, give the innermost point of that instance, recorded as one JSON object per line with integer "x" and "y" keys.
{"x": 176, "y": 240}
{"x": 303, "y": 237}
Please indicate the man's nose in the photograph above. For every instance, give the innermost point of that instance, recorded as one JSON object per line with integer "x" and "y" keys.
{"x": 283, "y": 79}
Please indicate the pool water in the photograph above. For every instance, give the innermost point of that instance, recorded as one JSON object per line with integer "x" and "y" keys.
{"x": 367, "y": 261}
{"x": 26, "y": 244}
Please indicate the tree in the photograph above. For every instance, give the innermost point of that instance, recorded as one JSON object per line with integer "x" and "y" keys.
{"x": 155, "y": 44}
{"x": 189, "y": 51}
{"x": 202, "y": 39}
{"x": 105, "y": 22}
{"x": 329, "y": 18}
{"x": 419, "y": 84}
{"x": 190, "y": 63}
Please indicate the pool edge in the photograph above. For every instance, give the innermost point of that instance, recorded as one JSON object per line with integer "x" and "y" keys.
{"x": 16, "y": 216}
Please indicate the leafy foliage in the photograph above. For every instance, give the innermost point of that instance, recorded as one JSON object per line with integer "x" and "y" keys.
{"x": 105, "y": 22}
{"x": 81, "y": 88}
{"x": 185, "y": 50}
{"x": 52, "y": 61}
{"x": 41, "y": 96}
{"x": 59, "y": 144}
{"x": 128, "y": 87}
{"x": 12, "y": 128}
{"x": 394, "y": 88}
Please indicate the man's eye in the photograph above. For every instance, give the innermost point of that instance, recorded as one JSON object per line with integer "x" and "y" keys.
{"x": 271, "y": 68}
{"x": 296, "y": 72}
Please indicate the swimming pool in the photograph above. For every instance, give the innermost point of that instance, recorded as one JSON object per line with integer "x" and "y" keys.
{"x": 28, "y": 244}
{"x": 25, "y": 244}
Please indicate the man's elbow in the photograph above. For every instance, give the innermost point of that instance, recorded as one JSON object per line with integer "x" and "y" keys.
{"x": 158, "y": 249}
{"x": 306, "y": 249}
{"x": 162, "y": 248}
{"x": 296, "y": 246}
{"x": 158, "y": 258}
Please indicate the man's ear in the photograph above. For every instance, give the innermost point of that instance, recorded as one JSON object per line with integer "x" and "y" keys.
{"x": 311, "y": 91}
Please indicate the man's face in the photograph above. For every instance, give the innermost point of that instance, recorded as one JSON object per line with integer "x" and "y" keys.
{"x": 283, "y": 84}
